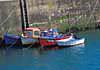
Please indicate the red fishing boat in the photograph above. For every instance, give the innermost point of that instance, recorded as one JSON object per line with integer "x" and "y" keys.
{"x": 52, "y": 41}
{"x": 50, "y": 38}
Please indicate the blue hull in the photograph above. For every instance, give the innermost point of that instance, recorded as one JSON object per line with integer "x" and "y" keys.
{"x": 11, "y": 39}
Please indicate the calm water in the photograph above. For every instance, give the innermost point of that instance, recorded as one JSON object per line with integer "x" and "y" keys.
{"x": 82, "y": 57}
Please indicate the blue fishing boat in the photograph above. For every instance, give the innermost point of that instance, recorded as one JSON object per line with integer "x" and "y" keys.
{"x": 11, "y": 39}
{"x": 30, "y": 37}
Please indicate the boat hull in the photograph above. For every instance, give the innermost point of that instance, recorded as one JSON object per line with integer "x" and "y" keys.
{"x": 10, "y": 39}
{"x": 53, "y": 41}
{"x": 66, "y": 38}
{"x": 26, "y": 41}
{"x": 14, "y": 40}
{"x": 47, "y": 42}
{"x": 71, "y": 42}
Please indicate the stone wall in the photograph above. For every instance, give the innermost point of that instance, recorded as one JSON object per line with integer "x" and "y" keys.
{"x": 9, "y": 20}
{"x": 39, "y": 10}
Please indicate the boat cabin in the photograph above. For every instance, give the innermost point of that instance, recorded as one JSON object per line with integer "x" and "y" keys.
{"x": 32, "y": 32}
{"x": 50, "y": 32}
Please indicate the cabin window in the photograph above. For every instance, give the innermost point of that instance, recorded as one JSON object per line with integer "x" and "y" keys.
{"x": 29, "y": 33}
{"x": 36, "y": 33}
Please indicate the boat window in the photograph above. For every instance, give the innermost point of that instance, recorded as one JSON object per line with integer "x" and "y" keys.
{"x": 36, "y": 33}
{"x": 29, "y": 33}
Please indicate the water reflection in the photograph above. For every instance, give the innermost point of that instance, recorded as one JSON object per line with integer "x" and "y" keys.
{"x": 40, "y": 58}
{"x": 39, "y": 51}
{"x": 79, "y": 49}
{"x": 59, "y": 47}
{"x": 80, "y": 57}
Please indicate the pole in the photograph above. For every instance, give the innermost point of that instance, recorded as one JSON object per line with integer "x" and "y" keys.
{"x": 25, "y": 13}
{"x": 22, "y": 16}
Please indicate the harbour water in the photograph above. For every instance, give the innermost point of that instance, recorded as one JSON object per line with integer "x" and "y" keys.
{"x": 81, "y": 57}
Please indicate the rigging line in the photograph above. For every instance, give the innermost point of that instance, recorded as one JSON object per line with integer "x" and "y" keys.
{"x": 92, "y": 12}
{"x": 7, "y": 17}
{"x": 5, "y": 21}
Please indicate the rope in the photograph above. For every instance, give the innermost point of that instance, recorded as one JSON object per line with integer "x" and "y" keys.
{"x": 7, "y": 17}
{"x": 10, "y": 14}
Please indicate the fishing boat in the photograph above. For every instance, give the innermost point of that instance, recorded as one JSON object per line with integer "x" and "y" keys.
{"x": 46, "y": 39}
{"x": 71, "y": 42}
{"x": 11, "y": 39}
{"x": 49, "y": 38}
{"x": 30, "y": 36}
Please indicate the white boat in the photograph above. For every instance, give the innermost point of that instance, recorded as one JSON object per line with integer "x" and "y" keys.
{"x": 71, "y": 42}
{"x": 68, "y": 38}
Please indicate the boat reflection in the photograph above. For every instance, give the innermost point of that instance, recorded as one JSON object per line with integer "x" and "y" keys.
{"x": 80, "y": 45}
{"x": 59, "y": 47}
{"x": 79, "y": 49}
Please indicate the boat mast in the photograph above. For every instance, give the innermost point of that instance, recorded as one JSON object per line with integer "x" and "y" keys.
{"x": 25, "y": 13}
{"x": 22, "y": 16}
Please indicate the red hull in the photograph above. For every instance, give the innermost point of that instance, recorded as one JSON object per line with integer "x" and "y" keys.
{"x": 47, "y": 42}
{"x": 50, "y": 42}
